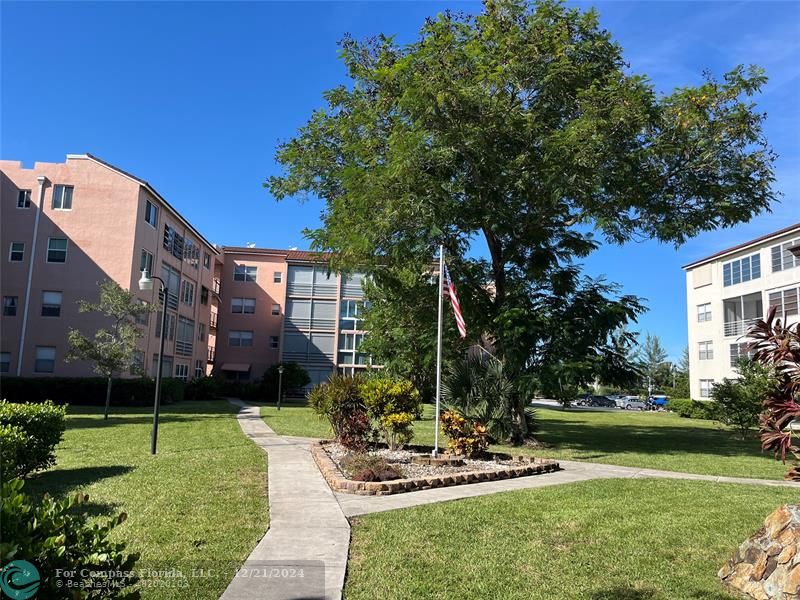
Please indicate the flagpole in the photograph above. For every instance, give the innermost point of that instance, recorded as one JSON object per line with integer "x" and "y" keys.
{"x": 439, "y": 353}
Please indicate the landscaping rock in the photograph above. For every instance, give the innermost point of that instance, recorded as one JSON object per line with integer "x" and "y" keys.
{"x": 767, "y": 565}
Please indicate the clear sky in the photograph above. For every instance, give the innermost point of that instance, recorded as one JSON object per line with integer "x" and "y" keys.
{"x": 193, "y": 97}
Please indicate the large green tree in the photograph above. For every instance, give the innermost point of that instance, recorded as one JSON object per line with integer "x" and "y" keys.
{"x": 521, "y": 139}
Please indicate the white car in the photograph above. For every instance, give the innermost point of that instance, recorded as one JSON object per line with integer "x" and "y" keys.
{"x": 630, "y": 403}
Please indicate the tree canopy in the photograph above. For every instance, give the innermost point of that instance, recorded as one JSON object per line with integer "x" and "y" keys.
{"x": 521, "y": 139}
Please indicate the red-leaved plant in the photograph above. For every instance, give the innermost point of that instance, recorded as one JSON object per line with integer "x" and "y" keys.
{"x": 778, "y": 346}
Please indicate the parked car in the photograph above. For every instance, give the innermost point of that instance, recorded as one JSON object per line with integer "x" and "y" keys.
{"x": 630, "y": 403}
{"x": 601, "y": 401}
{"x": 658, "y": 401}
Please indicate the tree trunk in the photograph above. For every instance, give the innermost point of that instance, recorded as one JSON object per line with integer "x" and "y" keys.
{"x": 108, "y": 399}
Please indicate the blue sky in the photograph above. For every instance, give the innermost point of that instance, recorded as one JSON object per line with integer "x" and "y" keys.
{"x": 194, "y": 97}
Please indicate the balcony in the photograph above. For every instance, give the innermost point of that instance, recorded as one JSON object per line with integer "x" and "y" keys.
{"x": 739, "y": 328}
{"x": 215, "y": 286}
{"x": 741, "y": 313}
{"x": 212, "y": 354}
{"x": 212, "y": 322}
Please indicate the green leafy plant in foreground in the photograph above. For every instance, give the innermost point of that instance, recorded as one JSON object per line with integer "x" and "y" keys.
{"x": 29, "y": 434}
{"x": 56, "y": 538}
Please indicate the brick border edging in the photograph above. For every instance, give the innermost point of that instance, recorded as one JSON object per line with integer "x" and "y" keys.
{"x": 339, "y": 483}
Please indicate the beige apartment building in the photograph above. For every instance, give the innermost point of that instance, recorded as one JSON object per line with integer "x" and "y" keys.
{"x": 728, "y": 292}
{"x": 67, "y": 227}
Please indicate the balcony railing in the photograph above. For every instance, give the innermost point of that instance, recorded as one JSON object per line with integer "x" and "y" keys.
{"x": 212, "y": 354}
{"x": 737, "y": 328}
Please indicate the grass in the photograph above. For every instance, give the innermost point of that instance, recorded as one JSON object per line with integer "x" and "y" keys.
{"x": 595, "y": 540}
{"x": 655, "y": 440}
{"x": 201, "y": 503}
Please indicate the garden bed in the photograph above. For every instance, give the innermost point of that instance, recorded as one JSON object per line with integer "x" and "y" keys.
{"x": 494, "y": 466}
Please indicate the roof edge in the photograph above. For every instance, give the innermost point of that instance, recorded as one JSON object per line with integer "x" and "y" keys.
{"x": 742, "y": 246}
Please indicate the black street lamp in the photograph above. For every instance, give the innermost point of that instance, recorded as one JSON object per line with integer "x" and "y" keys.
{"x": 146, "y": 283}
{"x": 280, "y": 384}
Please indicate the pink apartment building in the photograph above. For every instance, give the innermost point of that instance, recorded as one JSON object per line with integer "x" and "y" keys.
{"x": 68, "y": 226}
{"x": 233, "y": 311}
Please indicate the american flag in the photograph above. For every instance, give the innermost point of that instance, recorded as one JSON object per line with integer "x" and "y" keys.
{"x": 450, "y": 292}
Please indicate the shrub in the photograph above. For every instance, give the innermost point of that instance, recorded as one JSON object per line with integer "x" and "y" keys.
{"x": 392, "y": 404}
{"x": 369, "y": 467}
{"x": 739, "y": 401}
{"x": 204, "y": 388}
{"x": 294, "y": 379}
{"x": 42, "y": 426}
{"x": 12, "y": 445}
{"x": 56, "y": 538}
{"x": 692, "y": 409}
{"x": 90, "y": 391}
{"x": 339, "y": 400}
{"x": 465, "y": 437}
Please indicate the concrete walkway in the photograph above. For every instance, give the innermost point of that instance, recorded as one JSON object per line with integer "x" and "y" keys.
{"x": 353, "y": 505}
{"x": 304, "y": 552}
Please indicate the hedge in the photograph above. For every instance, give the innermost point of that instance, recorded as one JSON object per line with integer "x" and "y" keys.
{"x": 29, "y": 434}
{"x": 89, "y": 391}
{"x": 692, "y": 409}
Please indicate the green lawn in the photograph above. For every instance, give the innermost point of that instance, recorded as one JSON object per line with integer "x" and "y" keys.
{"x": 201, "y": 503}
{"x": 595, "y": 540}
{"x": 628, "y": 438}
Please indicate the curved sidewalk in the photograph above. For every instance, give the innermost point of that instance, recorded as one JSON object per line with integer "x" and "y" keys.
{"x": 304, "y": 552}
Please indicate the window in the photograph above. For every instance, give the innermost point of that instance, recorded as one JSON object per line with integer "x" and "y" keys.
{"x": 24, "y": 199}
{"x": 146, "y": 262}
{"x": 182, "y": 372}
{"x": 45, "y": 359}
{"x": 277, "y": 277}
{"x": 240, "y": 338}
{"x": 276, "y": 309}
{"x": 166, "y": 366}
{"x": 9, "y": 306}
{"x": 705, "y": 387}
{"x": 785, "y": 302}
{"x": 187, "y": 293}
{"x": 351, "y": 314}
{"x": 172, "y": 281}
{"x": 206, "y": 260}
{"x": 51, "y": 304}
{"x": 244, "y": 273}
{"x": 170, "y": 328}
{"x": 706, "y": 350}
{"x": 246, "y": 306}
{"x": 137, "y": 366}
{"x": 201, "y": 332}
{"x": 274, "y": 342}
{"x": 203, "y": 294}
{"x": 62, "y": 197}
{"x": 198, "y": 368}
{"x": 782, "y": 259}
{"x": 151, "y": 213}
{"x": 741, "y": 270}
{"x": 5, "y": 362}
{"x": 143, "y": 318}
{"x": 173, "y": 242}
{"x": 16, "y": 252}
{"x": 703, "y": 313}
{"x": 739, "y": 351}
{"x": 56, "y": 250}
{"x": 191, "y": 253}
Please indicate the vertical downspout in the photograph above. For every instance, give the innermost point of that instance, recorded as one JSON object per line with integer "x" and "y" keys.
{"x": 42, "y": 182}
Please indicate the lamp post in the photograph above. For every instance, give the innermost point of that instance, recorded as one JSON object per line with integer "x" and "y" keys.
{"x": 280, "y": 385}
{"x": 146, "y": 283}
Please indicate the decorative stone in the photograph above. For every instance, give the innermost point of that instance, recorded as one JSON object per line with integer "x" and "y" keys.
{"x": 767, "y": 565}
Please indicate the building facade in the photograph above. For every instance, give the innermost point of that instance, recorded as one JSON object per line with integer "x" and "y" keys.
{"x": 68, "y": 226}
{"x": 285, "y": 306}
{"x": 728, "y": 292}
